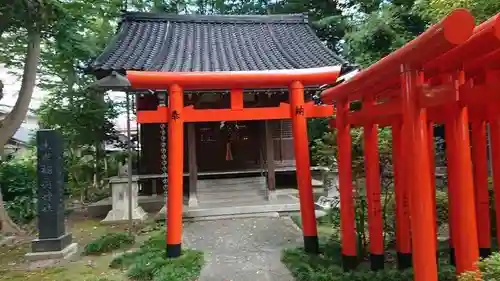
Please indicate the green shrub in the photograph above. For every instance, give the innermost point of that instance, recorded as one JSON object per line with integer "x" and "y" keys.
{"x": 18, "y": 182}
{"x": 489, "y": 267}
{"x": 145, "y": 266}
{"x": 108, "y": 242}
{"x": 149, "y": 262}
{"x": 441, "y": 207}
{"x": 327, "y": 267}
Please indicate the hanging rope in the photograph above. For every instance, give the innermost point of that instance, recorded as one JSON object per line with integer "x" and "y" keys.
{"x": 230, "y": 129}
{"x": 229, "y": 153}
{"x": 164, "y": 157}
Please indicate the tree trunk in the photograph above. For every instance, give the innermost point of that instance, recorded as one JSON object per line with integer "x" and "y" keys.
{"x": 14, "y": 119}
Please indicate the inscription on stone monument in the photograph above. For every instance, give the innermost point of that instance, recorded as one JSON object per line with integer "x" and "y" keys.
{"x": 51, "y": 226}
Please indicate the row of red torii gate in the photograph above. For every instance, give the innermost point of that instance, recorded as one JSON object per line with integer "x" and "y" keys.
{"x": 449, "y": 75}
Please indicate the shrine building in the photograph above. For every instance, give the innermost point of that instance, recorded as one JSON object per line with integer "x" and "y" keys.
{"x": 215, "y": 43}
{"x": 222, "y": 103}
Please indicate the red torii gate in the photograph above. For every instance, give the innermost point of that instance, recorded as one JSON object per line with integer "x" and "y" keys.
{"x": 176, "y": 114}
{"x": 448, "y": 75}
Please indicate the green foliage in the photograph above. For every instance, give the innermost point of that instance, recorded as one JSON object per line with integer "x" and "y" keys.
{"x": 38, "y": 15}
{"x": 442, "y": 207}
{"x": 85, "y": 121}
{"x": 109, "y": 242}
{"x": 435, "y": 10}
{"x": 325, "y": 152}
{"x": 74, "y": 32}
{"x": 489, "y": 267}
{"x": 149, "y": 262}
{"x": 18, "y": 183}
{"x": 316, "y": 128}
{"x": 327, "y": 267}
{"x": 382, "y": 32}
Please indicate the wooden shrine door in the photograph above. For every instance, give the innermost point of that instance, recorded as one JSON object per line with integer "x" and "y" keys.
{"x": 212, "y": 146}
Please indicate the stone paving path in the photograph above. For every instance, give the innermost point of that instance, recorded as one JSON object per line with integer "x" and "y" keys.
{"x": 243, "y": 249}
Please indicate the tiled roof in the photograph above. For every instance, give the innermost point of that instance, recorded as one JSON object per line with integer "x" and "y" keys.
{"x": 163, "y": 42}
{"x": 23, "y": 135}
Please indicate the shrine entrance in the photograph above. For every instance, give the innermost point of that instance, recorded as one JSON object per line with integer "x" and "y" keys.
{"x": 228, "y": 146}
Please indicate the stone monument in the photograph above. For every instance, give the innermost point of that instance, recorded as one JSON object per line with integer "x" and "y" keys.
{"x": 53, "y": 241}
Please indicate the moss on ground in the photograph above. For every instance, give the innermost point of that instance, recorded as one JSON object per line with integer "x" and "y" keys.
{"x": 87, "y": 269}
{"x": 109, "y": 242}
{"x": 14, "y": 267}
{"x": 149, "y": 262}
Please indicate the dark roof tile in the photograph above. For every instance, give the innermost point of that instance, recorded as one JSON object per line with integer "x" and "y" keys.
{"x": 163, "y": 42}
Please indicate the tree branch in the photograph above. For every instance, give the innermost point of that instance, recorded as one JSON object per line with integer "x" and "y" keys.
{"x": 14, "y": 119}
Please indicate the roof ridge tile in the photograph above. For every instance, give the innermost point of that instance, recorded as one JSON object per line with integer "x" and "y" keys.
{"x": 230, "y": 19}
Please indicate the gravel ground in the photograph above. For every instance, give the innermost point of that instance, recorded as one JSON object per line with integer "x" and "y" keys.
{"x": 243, "y": 249}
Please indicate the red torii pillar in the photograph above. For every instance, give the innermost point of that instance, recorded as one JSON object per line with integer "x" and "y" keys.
{"x": 465, "y": 241}
{"x": 372, "y": 176}
{"x": 480, "y": 169}
{"x": 403, "y": 234}
{"x": 432, "y": 171}
{"x": 301, "y": 148}
{"x": 495, "y": 158}
{"x": 347, "y": 217}
{"x": 418, "y": 178}
{"x": 449, "y": 135}
{"x": 175, "y": 173}
{"x": 494, "y": 124}
{"x": 429, "y": 135}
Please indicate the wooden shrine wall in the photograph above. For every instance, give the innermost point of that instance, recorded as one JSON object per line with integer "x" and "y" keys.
{"x": 211, "y": 148}
{"x": 248, "y": 150}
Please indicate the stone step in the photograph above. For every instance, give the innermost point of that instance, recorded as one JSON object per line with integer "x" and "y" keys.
{"x": 242, "y": 200}
{"x": 230, "y": 195}
{"x": 240, "y": 210}
{"x": 250, "y": 192}
{"x": 216, "y": 191}
{"x": 231, "y": 182}
{"x": 237, "y": 179}
{"x": 232, "y": 188}
{"x": 216, "y": 186}
{"x": 233, "y": 216}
